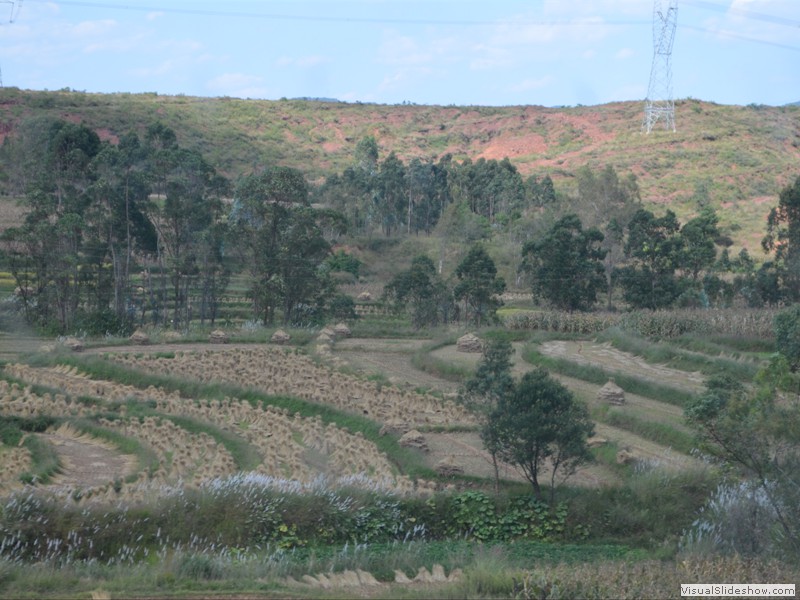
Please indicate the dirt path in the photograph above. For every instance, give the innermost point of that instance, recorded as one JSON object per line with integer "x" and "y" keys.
{"x": 86, "y": 461}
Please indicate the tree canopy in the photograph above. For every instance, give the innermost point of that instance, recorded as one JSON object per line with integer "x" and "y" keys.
{"x": 566, "y": 265}
{"x": 479, "y": 286}
{"x": 539, "y": 423}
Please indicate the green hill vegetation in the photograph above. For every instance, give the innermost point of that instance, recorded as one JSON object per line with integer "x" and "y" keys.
{"x": 736, "y": 158}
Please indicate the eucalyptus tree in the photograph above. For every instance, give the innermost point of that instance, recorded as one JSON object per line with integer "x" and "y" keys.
{"x": 188, "y": 203}
{"x": 653, "y": 247}
{"x": 280, "y": 236}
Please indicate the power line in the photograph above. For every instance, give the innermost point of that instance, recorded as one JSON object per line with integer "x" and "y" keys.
{"x": 749, "y": 14}
{"x": 330, "y": 19}
{"x": 746, "y": 13}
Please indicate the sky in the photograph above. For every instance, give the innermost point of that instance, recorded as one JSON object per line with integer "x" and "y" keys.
{"x": 462, "y": 52}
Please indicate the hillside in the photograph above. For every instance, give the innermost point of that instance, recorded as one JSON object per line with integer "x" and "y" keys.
{"x": 740, "y": 157}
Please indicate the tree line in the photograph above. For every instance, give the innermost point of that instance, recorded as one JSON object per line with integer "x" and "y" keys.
{"x": 140, "y": 229}
{"x": 144, "y": 229}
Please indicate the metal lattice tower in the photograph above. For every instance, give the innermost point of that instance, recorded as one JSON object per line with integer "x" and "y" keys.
{"x": 659, "y": 105}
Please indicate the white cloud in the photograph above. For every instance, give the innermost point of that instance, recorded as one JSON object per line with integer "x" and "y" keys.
{"x": 93, "y": 28}
{"x": 302, "y": 62}
{"x": 490, "y": 57}
{"x": 401, "y": 50}
{"x": 239, "y": 85}
{"x": 532, "y": 84}
{"x": 154, "y": 15}
{"x": 402, "y": 77}
{"x": 624, "y": 53}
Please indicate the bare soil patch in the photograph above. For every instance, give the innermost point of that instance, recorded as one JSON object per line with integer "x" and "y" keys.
{"x": 86, "y": 462}
{"x": 392, "y": 358}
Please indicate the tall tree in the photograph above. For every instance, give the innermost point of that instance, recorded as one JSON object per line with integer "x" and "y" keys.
{"x": 483, "y": 392}
{"x": 55, "y": 233}
{"x": 700, "y": 237}
{"x": 566, "y": 265}
{"x": 391, "y": 194}
{"x": 653, "y": 248}
{"x": 422, "y": 292}
{"x": 192, "y": 204}
{"x": 479, "y": 286}
{"x": 783, "y": 238}
{"x": 120, "y": 196}
{"x": 285, "y": 246}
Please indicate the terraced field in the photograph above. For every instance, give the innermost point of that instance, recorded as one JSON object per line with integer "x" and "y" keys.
{"x": 193, "y": 440}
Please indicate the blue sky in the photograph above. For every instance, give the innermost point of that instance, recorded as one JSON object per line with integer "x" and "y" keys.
{"x": 488, "y": 52}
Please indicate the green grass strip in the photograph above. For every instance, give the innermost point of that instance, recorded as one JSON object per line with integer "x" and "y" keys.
{"x": 424, "y": 360}
{"x": 599, "y": 376}
{"x": 684, "y": 360}
{"x": 660, "y": 433}
{"x": 44, "y": 458}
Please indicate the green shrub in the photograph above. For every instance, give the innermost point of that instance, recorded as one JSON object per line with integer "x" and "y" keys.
{"x": 200, "y": 567}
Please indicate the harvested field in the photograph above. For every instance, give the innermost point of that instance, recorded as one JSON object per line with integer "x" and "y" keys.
{"x": 639, "y": 406}
{"x": 279, "y": 372}
{"x": 297, "y": 448}
{"x": 391, "y": 358}
{"x": 290, "y": 447}
{"x": 611, "y": 359}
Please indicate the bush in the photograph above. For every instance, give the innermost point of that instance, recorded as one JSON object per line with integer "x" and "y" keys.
{"x": 787, "y": 335}
{"x": 103, "y": 322}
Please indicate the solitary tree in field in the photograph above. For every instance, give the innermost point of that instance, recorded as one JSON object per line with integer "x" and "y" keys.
{"x": 757, "y": 431}
{"x": 539, "y": 422}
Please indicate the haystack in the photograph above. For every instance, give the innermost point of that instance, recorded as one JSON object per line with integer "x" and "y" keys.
{"x": 218, "y": 337}
{"x": 171, "y": 336}
{"x": 414, "y": 439}
{"x": 394, "y": 427}
{"x": 73, "y": 344}
{"x": 447, "y": 467}
{"x": 342, "y": 330}
{"x": 325, "y": 338}
{"x": 139, "y": 338}
{"x": 469, "y": 343}
{"x": 611, "y": 393}
{"x": 280, "y": 337}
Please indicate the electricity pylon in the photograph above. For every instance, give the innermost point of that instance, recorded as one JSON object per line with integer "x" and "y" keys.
{"x": 659, "y": 105}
